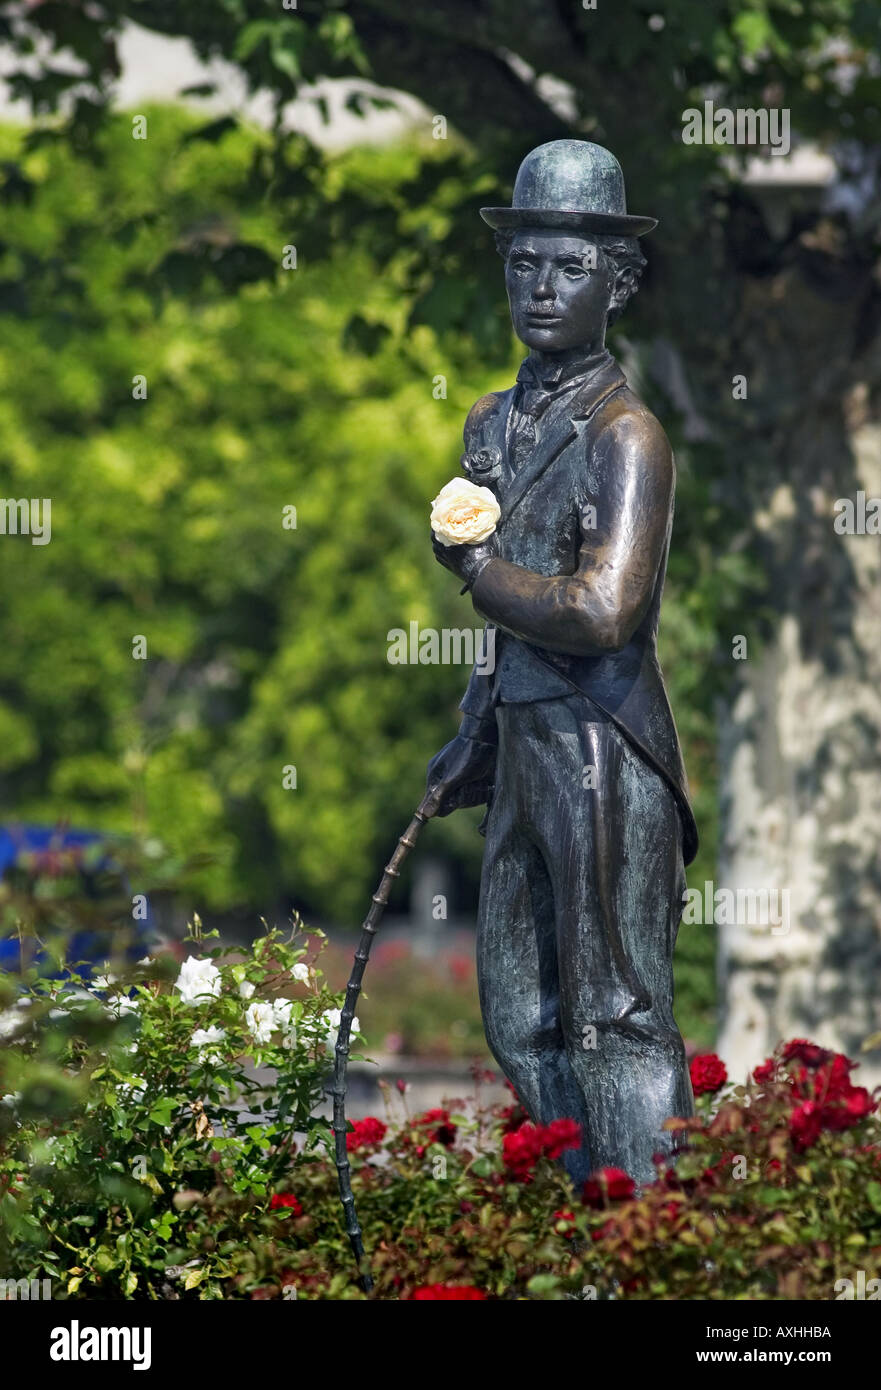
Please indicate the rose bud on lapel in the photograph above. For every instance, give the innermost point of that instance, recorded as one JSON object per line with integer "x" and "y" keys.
{"x": 483, "y": 463}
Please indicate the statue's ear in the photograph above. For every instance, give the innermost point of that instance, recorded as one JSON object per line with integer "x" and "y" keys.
{"x": 623, "y": 287}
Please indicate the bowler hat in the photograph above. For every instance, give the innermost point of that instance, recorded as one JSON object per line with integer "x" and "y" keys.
{"x": 570, "y": 184}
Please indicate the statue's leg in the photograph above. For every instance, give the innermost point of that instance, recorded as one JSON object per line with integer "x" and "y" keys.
{"x": 517, "y": 969}
{"x": 614, "y": 851}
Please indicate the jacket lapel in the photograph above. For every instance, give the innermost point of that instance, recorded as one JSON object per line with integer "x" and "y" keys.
{"x": 582, "y": 405}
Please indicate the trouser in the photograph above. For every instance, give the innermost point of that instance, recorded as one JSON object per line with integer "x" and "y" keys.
{"x": 580, "y": 901}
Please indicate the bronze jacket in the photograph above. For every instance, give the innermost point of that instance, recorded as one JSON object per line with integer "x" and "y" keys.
{"x": 575, "y": 594}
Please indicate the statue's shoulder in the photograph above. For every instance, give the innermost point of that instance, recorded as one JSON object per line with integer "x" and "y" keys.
{"x": 631, "y": 431}
{"x": 483, "y": 410}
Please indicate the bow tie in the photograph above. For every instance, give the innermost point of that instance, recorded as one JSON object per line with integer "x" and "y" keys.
{"x": 540, "y": 383}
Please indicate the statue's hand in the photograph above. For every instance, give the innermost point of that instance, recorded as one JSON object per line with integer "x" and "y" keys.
{"x": 455, "y": 773}
{"x": 466, "y": 561}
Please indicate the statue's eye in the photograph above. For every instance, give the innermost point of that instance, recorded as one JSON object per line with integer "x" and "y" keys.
{"x": 575, "y": 271}
{"x": 522, "y": 267}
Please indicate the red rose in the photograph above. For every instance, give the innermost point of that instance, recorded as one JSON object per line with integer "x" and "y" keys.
{"x": 806, "y": 1124}
{"x": 434, "y": 1293}
{"x": 522, "y": 1149}
{"x": 286, "y": 1201}
{"x": 365, "y": 1132}
{"x": 848, "y": 1109}
{"x": 611, "y": 1183}
{"x": 561, "y": 1135}
{"x": 441, "y": 1129}
{"x": 765, "y": 1072}
{"x": 708, "y": 1074}
{"x": 833, "y": 1078}
{"x": 841, "y": 1104}
{"x": 800, "y": 1050}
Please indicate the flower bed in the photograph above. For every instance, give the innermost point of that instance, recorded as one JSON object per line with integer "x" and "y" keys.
{"x": 141, "y": 1157}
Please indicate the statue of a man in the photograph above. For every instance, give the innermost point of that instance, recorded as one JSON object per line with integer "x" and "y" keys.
{"x": 571, "y": 741}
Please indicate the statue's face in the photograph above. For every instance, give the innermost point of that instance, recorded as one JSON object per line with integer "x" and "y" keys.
{"x": 557, "y": 300}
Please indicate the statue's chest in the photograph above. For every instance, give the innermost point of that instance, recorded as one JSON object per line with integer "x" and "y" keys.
{"x": 542, "y": 530}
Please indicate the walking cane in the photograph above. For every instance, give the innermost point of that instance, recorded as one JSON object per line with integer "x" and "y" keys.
{"x": 369, "y": 929}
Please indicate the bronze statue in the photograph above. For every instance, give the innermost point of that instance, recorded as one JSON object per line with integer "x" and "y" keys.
{"x": 570, "y": 741}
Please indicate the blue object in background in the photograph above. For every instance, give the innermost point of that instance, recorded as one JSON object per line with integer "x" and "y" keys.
{"x": 17, "y": 840}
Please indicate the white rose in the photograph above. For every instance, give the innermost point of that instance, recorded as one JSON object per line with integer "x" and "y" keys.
{"x": 463, "y": 513}
{"x": 204, "y": 1038}
{"x": 197, "y": 978}
{"x": 331, "y": 1019}
{"x": 302, "y": 973}
{"x": 9, "y": 1022}
{"x": 246, "y": 989}
{"x": 260, "y": 1018}
{"x": 281, "y": 1011}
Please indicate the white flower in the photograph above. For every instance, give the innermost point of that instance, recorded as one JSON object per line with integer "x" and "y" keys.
{"x": 10, "y": 1099}
{"x": 198, "y": 977}
{"x": 72, "y": 998}
{"x": 260, "y": 1018}
{"x": 331, "y": 1018}
{"x": 282, "y": 1010}
{"x": 121, "y": 1004}
{"x": 204, "y": 1038}
{"x": 9, "y": 1022}
{"x": 246, "y": 989}
{"x": 463, "y": 513}
{"x": 302, "y": 973}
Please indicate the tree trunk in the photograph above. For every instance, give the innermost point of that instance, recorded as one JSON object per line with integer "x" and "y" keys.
{"x": 801, "y": 739}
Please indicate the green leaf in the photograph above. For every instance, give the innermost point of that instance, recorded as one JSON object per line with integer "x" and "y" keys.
{"x": 541, "y": 1284}
{"x": 161, "y": 1110}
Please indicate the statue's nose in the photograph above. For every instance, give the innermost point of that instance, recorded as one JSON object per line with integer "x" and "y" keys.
{"x": 544, "y": 286}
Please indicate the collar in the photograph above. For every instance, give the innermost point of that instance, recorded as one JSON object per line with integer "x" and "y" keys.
{"x": 541, "y": 373}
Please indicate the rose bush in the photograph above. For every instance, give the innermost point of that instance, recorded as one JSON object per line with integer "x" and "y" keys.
{"x": 160, "y": 1138}
{"x": 145, "y": 1117}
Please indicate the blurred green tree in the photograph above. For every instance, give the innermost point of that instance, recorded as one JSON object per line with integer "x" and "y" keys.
{"x": 181, "y": 644}
{"x": 173, "y": 440}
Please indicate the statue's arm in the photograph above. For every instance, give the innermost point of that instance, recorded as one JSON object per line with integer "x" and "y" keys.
{"x": 461, "y": 773}
{"x": 599, "y": 607}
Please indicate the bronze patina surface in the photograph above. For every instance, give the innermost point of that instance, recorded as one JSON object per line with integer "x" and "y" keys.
{"x": 570, "y": 740}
